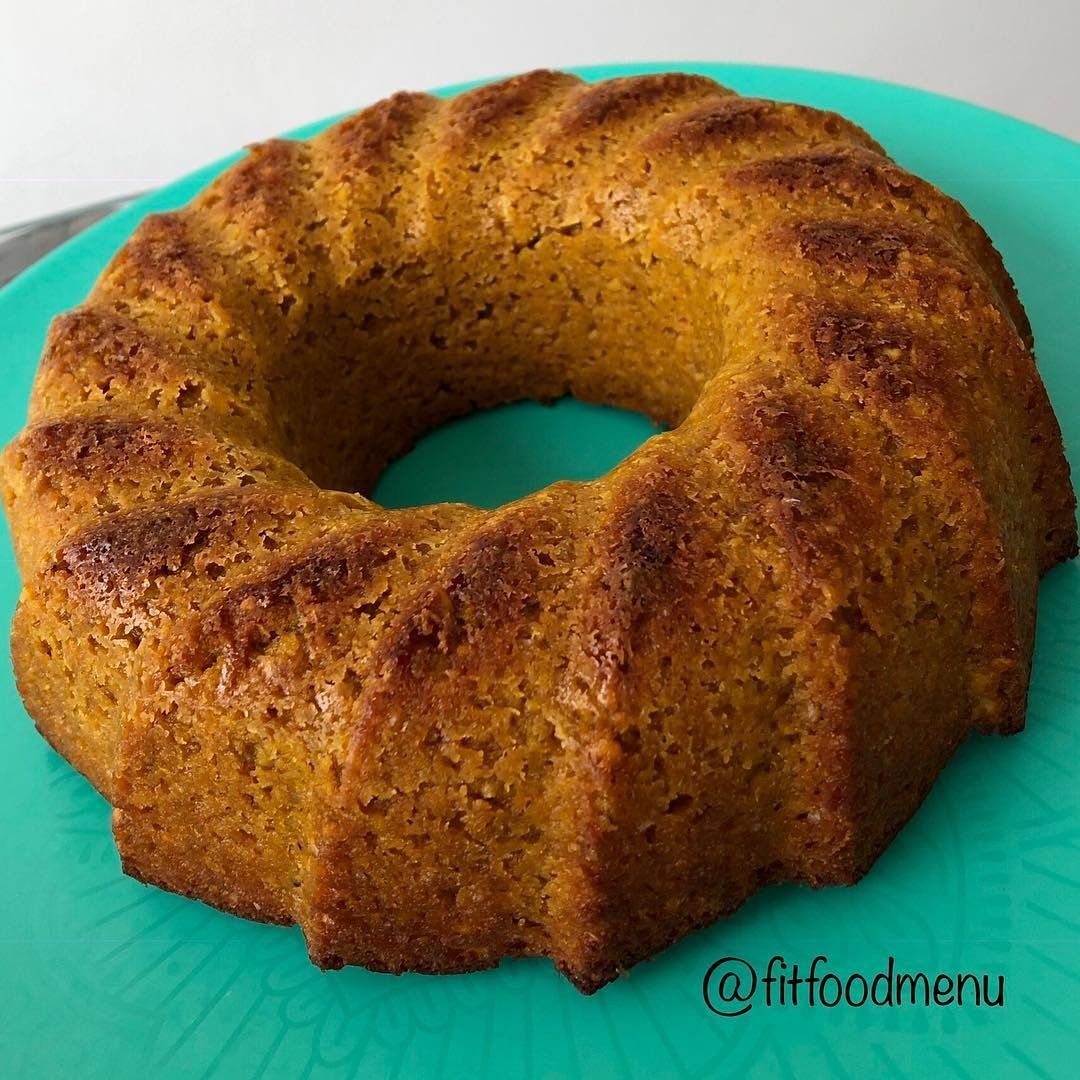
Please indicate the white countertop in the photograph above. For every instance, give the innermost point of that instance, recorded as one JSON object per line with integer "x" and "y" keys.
{"x": 101, "y": 98}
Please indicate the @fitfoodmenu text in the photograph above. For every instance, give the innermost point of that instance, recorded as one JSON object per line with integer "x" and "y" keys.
{"x": 733, "y": 986}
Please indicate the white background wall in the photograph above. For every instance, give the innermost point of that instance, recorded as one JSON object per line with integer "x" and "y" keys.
{"x": 101, "y": 97}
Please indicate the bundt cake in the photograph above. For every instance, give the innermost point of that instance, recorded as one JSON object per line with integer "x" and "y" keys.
{"x": 587, "y": 722}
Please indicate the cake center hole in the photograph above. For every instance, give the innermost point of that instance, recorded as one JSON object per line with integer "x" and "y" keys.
{"x": 497, "y": 455}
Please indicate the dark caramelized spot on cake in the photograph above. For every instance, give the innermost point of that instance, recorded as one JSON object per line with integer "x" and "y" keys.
{"x": 490, "y": 584}
{"x": 715, "y": 123}
{"x": 849, "y": 172}
{"x": 840, "y": 334}
{"x": 857, "y": 247}
{"x": 119, "y": 556}
{"x": 885, "y": 364}
{"x": 859, "y": 177}
{"x": 618, "y": 100}
{"x": 789, "y": 458}
{"x": 314, "y": 592}
{"x": 491, "y": 579}
{"x": 113, "y": 344}
{"x": 469, "y": 620}
{"x": 163, "y": 257}
{"x": 485, "y": 110}
{"x": 262, "y": 185}
{"x": 640, "y": 556}
{"x": 796, "y": 470}
{"x": 371, "y": 138}
{"x": 90, "y": 447}
{"x": 873, "y": 355}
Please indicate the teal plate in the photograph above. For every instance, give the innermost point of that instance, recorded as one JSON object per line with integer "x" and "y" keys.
{"x": 100, "y": 976}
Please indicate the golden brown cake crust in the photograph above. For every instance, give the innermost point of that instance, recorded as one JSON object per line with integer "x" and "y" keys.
{"x": 585, "y": 723}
